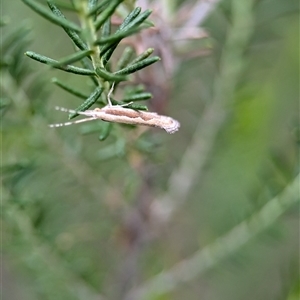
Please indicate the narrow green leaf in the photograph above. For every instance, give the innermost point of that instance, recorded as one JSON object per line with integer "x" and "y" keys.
{"x": 14, "y": 38}
{"x": 88, "y": 102}
{"x": 117, "y": 37}
{"x": 131, "y": 90}
{"x": 38, "y": 91}
{"x": 41, "y": 10}
{"x": 91, "y": 127}
{"x": 18, "y": 68}
{"x": 137, "y": 97}
{"x": 138, "y": 89}
{"x": 106, "y": 29}
{"x": 137, "y": 21}
{"x": 4, "y": 102}
{"x": 101, "y": 72}
{"x": 92, "y": 4}
{"x": 137, "y": 66}
{"x": 126, "y": 21}
{"x": 142, "y": 56}
{"x": 69, "y": 89}
{"x": 64, "y": 5}
{"x": 72, "y": 58}
{"x": 98, "y": 8}
{"x": 16, "y": 167}
{"x": 125, "y": 58}
{"x": 117, "y": 149}
{"x": 127, "y": 105}
{"x": 4, "y": 20}
{"x": 137, "y": 107}
{"x": 87, "y": 64}
{"x": 106, "y": 129}
{"x": 51, "y": 62}
{"x": 107, "y": 13}
{"x": 70, "y": 32}
{"x": 131, "y": 21}
{"x": 130, "y": 18}
{"x": 107, "y": 55}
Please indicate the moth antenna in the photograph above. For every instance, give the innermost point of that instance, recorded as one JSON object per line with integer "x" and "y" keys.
{"x": 72, "y": 111}
{"x": 63, "y": 109}
{"x": 71, "y": 123}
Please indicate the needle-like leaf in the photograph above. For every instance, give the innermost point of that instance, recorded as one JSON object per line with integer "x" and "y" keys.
{"x": 138, "y": 20}
{"x": 72, "y": 58}
{"x": 126, "y": 21}
{"x": 70, "y": 32}
{"x": 107, "y": 13}
{"x": 117, "y": 37}
{"x": 88, "y": 102}
{"x": 133, "y": 20}
{"x": 138, "y": 66}
{"x": 106, "y": 29}
{"x": 101, "y": 72}
{"x": 97, "y": 8}
{"x": 137, "y": 97}
{"x": 42, "y": 10}
{"x": 106, "y": 129}
{"x": 142, "y": 56}
{"x": 130, "y": 18}
{"x": 49, "y": 61}
{"x": 69, "y": 89}
{"x": 125, "y": 58}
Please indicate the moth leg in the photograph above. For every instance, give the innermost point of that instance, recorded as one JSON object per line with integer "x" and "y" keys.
{"x": 126, "y": 104}
{"x": 109, "y": 93}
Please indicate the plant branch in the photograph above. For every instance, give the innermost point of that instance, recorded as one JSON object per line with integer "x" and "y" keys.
{"x": 197, "y": 153}
{"x": 221, "y": 248}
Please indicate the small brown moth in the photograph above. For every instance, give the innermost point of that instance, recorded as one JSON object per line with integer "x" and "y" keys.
{"x": 120, "y": 114}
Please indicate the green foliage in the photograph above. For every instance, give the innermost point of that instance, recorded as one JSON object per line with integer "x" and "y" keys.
{"x": 95, "y": 42}
{"x": 42, "y": 10}
{"x": 105, "y": 211}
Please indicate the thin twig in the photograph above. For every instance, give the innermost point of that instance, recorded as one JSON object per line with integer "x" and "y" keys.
{"x": 46, "y": 256}
{"x": 221, "y": 248}
{"x": 197, "y": 153}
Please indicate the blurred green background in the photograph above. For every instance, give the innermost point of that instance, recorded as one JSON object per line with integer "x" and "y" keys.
{"x": 84, "y": 219}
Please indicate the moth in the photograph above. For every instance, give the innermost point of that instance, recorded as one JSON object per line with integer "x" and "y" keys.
{"x": 121, "y": 114}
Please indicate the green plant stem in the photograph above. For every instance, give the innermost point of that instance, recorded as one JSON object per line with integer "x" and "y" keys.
{"x": 89, "y": 29}
{"x": 90, "y": 33}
